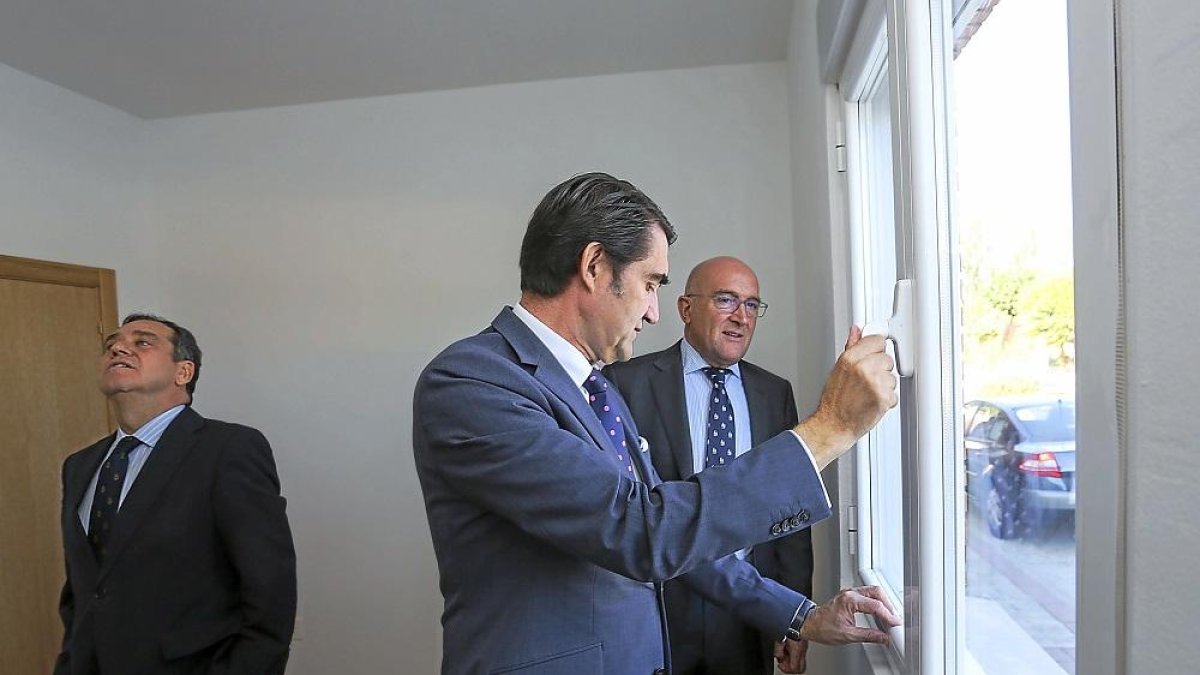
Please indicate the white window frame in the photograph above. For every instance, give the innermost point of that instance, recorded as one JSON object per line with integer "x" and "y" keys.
{"x": 918, "y": 45}
{"x": 1101, "y": 636}
{"x": 1102, "y": 632}
{"x": 870, "y": 70}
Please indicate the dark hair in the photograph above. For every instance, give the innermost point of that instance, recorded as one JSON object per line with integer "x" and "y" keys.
{"x": 588, "y": 207}
{"x": 182, "y": 339}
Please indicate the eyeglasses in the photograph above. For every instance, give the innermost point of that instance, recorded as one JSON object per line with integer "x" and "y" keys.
{"x": 727, "y": 303}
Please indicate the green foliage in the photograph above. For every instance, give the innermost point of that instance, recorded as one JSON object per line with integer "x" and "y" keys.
{"x": 1005, "y": 290}
{"x": 1051, "y": 311}
{"x": 1016, "y": 320}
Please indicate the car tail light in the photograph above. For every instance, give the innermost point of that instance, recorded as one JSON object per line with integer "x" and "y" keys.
{"x": 1042, "y": 464}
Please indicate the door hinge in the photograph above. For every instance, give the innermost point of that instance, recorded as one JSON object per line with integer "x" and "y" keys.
{"x": 839, "y": 147}
{"x": 852, "y": 529}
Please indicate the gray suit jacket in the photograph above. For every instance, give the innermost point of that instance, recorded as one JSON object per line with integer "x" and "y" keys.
{"x": 652, "y": 386}
{"x": 550, "y": 555}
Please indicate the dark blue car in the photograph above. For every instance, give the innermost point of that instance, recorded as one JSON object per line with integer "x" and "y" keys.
{"x": 1020, "y": 458}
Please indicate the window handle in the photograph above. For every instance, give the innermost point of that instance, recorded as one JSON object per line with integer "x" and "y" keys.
{"x": 898, "y": 329}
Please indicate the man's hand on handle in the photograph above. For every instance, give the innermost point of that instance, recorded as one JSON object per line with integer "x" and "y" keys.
{"x": 833, "y": 622}
{"x": 859, "y": 390}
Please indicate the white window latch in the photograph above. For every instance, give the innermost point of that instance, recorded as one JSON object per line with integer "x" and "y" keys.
{"x": 898, "y": 329}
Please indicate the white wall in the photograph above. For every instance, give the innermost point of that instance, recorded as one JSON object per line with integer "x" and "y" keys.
{"x": 1159, "y": 48}
{"x": 72, "y": 184}
{"x": 323, "y": 254}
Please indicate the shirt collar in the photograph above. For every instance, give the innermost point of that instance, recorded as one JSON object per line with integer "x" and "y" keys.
{"x": 568, "y": 356}
{"x": 151, "y": 431}
{"x": 692, "y": 361}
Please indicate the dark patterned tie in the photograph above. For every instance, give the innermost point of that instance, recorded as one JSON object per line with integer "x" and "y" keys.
{"x": 598, "y": 396}
{"x": 108, "y": 495}
{"x": 718, "y": 432}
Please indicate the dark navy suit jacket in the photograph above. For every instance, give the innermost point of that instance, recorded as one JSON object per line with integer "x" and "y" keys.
{"x": 200, "y": 576}
{"x": 551, "y": 557}
{"x": 653, "y": 388}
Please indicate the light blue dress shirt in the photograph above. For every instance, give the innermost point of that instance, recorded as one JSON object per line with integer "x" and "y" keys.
{"x": 149, "y": 435}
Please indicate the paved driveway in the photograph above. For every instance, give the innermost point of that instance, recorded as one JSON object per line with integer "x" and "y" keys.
{"x": 1020, "y": 599}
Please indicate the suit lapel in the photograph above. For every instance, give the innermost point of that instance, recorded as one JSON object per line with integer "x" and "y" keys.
{"x": 756, "y": 402}
{"x": 166, "y": 457}
{"x": 546, "y": 369}
{"x": 89, "y": 461}
{"x": 74, "y": 536}
{"x": 666, "y": 384}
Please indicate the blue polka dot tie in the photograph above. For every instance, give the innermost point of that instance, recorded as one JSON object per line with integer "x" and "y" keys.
{"x": 602, "y": 403}
{"x": 108, "y": 495}
{"x": 720, "y": 448}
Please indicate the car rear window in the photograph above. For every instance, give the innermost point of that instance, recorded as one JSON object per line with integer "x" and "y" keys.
{"x": 1048, "y": 422}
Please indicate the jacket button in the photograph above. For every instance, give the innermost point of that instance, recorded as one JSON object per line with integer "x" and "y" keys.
{"x": 796, "y": 522}
{"x": 803, "y": 516}
{"x": 787, "y": 525}
{"x": 776, "y": 528}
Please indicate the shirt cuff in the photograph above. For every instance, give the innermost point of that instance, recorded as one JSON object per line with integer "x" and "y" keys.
{"x": 808, "y": 453}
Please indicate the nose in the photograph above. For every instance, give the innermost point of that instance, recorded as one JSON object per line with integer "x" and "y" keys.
{"x": 741, "y": 313}
{"x": 117, "y": 347}
{"x": 651, "y": 315}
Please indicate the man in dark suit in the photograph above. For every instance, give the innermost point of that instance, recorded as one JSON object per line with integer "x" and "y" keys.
{"x": 179, "y": 555}
{"x": 670, "y": 395}
{"x": 552, "y": 530}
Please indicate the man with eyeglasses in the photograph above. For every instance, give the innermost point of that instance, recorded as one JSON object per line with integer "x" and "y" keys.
{"x": 699, "y": 405}
{"x": 552, "y": 530}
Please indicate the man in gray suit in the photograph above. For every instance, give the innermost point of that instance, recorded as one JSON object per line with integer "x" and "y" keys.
{"x": 553, "y": 532}
{"x": 670, "y": 394}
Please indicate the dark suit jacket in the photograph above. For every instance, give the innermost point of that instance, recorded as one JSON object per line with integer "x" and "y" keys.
{"x": 652, "y": 385}
{"x": 550, "y": 554}
{"x": 201, "y": 573}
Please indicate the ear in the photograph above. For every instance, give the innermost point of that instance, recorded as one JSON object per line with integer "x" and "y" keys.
{"x": 684, "y": 305}
{"x": 591, "y": 261}
{"x": 184, "y": 373}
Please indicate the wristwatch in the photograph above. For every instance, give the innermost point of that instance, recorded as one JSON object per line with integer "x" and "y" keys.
{"x": 802, "y": 612}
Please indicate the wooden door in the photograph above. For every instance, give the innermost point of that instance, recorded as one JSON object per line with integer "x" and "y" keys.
{"x": 53, "y": 319}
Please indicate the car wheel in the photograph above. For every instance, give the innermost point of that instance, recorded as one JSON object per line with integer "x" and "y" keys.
{"x": 1001, "y": 511}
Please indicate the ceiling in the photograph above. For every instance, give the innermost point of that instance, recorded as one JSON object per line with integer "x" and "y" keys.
{"x": 165, "y": 58}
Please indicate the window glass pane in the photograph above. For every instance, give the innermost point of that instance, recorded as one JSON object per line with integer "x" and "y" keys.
{"x": 1013, "y": 225}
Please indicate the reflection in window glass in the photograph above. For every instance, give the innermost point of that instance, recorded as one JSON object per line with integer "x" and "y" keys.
{"x": 1014, "y": 240}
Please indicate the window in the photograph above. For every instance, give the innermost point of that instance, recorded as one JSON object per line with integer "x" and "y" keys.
{"x": 1017, "y": 338}
{"x": 951, "y": 499}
